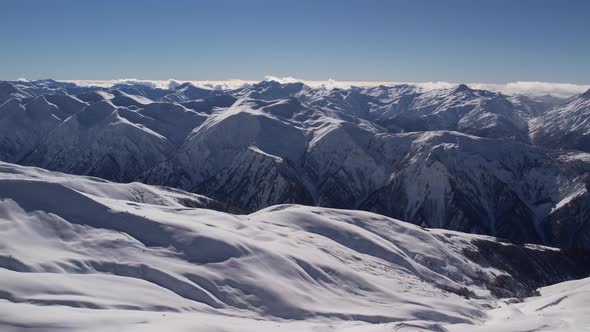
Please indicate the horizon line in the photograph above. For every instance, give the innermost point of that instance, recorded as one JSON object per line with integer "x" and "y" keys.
{"x": 530, "y": 88}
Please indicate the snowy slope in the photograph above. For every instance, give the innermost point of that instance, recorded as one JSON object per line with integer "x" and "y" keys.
{"x": 565, "y": 126}
{"x": 24, "y": 123}
{"x": 561, "y": 307}
{"x": 488, "y": 186}
{"x": 104, "y": 144}
{"x": 476, "y": 112}
{"x": 86, "y": 254}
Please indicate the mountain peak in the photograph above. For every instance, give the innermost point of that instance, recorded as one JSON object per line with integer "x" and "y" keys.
{"x": 279, "y": 85}
{"x": 183, "y": 86}
{"x": 462, "y": 88}
{"x": 95, "y": 113}
{"x": 40, "y": 103}
{"x": 586, "y": 94}
{"x": 94, "y": 96}
{"x": 11, "y": 103}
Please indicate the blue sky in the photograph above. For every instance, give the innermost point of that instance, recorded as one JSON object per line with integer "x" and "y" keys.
{"x": 369, "y": 40}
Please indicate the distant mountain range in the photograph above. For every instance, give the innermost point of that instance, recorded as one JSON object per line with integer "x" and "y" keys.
{"x": 471, "y": 160}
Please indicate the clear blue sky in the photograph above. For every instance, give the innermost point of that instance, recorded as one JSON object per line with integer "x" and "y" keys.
{"x": 403, "y": 40}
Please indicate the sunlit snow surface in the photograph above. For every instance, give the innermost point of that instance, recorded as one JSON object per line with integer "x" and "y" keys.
{"x": 561, "y": 307}
{"x": 84, "y": 254}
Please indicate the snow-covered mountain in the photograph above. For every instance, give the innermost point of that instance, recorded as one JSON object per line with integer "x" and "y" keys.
{"x": 82, "y": 253}
{"x": 566, "y": 126}
{"x": 459, "y": 158}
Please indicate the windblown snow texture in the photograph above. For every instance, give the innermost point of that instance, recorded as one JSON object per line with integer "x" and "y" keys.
{"x": 81, "y": 253}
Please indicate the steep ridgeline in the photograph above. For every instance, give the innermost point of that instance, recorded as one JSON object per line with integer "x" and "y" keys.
{"x": 82, "y": 253}
{"x": 457, "y": 158}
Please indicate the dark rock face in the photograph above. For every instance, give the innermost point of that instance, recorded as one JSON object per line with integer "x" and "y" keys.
{"x": 508, "y": 216}
{"x": 527, "y": 268}
{"x": 568, "y": 227}
{"x": 238, "y": 185}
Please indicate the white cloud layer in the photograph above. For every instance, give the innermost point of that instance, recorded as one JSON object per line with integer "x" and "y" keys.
{"x": 512, "y": 88}
{"x": 544, "y": 88}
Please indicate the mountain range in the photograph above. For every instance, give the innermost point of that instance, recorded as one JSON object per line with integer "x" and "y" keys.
{"x": 462, "y": 159}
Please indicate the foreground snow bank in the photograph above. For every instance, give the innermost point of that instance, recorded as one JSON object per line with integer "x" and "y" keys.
{"x": 561, "y": 307}
{"x": 80, "y": 253}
